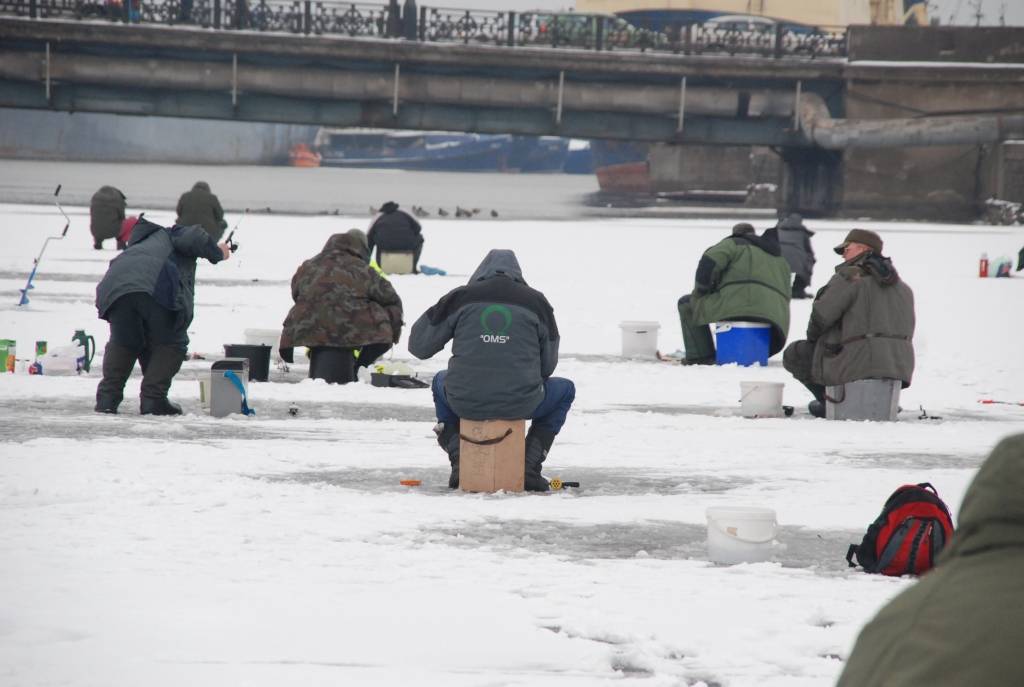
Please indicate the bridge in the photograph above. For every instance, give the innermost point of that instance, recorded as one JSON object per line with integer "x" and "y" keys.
{"x": 809, "y": 96}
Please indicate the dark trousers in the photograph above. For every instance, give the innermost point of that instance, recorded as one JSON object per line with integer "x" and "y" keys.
{"x": 370, "y": 353}
{"x": 798, "y": 359}
{"x": 697, "y": 339}
{"x": 331, "y": 364}
{"x": 138, "y": 323}
{"x": 559, "y": 393}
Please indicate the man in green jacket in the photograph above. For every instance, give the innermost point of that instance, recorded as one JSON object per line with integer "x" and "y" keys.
{"x": 961, "y": 623}
{"x": 741, "y": 278}
{"x": 861, "y": 326}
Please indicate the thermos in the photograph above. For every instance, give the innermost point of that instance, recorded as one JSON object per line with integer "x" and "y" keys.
{"x": 88, "y": 344}
{"x": 983, "y": 265}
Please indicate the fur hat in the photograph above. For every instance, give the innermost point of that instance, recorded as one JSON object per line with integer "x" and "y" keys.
{"x": 863, "y": 236}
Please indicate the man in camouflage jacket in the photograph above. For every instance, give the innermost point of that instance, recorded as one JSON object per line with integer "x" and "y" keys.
{"x": 341, "y": 304}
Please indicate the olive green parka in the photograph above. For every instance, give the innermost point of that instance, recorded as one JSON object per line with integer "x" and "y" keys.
{"x": 744, "y": 277}
{"x": 960, "y": 625}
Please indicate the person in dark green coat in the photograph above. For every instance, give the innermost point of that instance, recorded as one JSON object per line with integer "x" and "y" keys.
{"x": 862, "y": 324}
{"x": 106, "y": 212}
{"x": 200, "y": 207}
{"x": 741, "y": 278}
{"x": 960, "y": 624}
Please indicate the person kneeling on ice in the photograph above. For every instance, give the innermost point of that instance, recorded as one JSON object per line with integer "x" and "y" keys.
{"x": 743, "y": 277}
{"x": 861, "y": 326}
{"x": 504, "y": 351}
{"x": 147, "y": 297}
{"x": 342, "y": 305}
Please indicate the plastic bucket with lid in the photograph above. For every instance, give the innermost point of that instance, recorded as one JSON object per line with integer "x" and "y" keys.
{"x": 639, "y": 339}
{"x": 740, "y": 534}
{"x": 744, "y": 343}
{"x": 259, "y": 359}
{"x": 761, "y": 399}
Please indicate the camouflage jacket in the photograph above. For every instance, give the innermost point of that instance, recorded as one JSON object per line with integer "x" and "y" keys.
{"x": 340, "y": 301}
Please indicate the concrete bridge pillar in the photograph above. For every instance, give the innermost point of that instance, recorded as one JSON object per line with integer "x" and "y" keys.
{"x": 812, "y": 181}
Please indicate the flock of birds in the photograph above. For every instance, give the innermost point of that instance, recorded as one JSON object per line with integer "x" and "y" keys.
{"x": 460, "y": 212}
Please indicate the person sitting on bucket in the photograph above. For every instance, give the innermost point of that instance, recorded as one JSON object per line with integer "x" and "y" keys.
{"x": 861, "y": 326}
{"x": 743, "y": 277}
{"x": 395, "y": 230}
{"x": 504, "y": 351}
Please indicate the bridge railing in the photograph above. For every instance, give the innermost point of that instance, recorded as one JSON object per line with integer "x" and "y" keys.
{"x": 444, "y": 25}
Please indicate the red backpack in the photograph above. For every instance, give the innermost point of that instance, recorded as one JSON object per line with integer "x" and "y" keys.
{"x": 906, "y": 538}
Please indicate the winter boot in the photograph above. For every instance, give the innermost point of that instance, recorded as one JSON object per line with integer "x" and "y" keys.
{"x": 163, "y": 363}
{"x": 118, "y": 363}
{"x": 448, "y": 439}
{"x": 538, "y": 443}
{"x": 816, "y": 408}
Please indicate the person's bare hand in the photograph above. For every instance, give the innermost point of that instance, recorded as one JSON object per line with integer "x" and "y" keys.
{"x": 225, "y": 249}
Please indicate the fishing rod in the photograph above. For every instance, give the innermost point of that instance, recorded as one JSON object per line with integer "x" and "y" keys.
{"x": 35, "y": 265}
{"x": 233, "y": 245}
{"x": 990, "y": 401}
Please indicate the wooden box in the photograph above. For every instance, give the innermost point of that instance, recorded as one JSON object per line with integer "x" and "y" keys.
{"x": 492, "y": 455}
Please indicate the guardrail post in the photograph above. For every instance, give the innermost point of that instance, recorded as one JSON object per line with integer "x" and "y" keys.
{"x": 394, "y": 21}
{"x": 469, "y": 22}
{"x": 33, "y": 9}
{"x": 423, "y": 24}
{"x": 778, "y": 39}
{"x": 216, "y": 14}
{"x": 511, "y": 41}
{"x": 307, "y": 17}
{"x": 599, "y": 38}
{"x": 688, "y": 40}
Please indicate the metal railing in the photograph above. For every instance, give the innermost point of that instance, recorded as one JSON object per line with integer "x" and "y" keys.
{"x": 441, "y": 25}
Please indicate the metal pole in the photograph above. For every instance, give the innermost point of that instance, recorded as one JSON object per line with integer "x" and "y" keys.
{"x": 796, "y": 106}
{"x": 47, "y": 72}
{"x": 33, "y": 9}
{"x": 511, "y": 29}
{"x": 682, "y": 104}
{"x": 394, "y": 100}
{"x": 561, "y": 90}
{"x": 234, "y": 79}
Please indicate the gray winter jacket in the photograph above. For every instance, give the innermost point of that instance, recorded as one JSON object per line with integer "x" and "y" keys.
{"x": 795, "y": 241}
{"x": 160, "y": 262}
{"x": 504, "y": 341}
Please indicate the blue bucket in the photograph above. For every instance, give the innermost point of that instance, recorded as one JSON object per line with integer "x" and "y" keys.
{"x": 744, "y": 343}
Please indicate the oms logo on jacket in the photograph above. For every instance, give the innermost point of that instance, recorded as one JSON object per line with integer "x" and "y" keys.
{"x": 495, "y": 321}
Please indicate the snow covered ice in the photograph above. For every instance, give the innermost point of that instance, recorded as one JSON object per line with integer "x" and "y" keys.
{"x": 281, "y": 549}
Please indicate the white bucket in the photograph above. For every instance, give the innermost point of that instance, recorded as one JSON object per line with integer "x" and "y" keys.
{"x": 740, "y": 534}
{"x": 761, "y": 399}
{"x": 265, "y": 337}
{"x": 639, "y": 339}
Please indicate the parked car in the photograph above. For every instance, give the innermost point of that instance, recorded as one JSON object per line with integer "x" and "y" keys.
{"x": 585, "y": 30}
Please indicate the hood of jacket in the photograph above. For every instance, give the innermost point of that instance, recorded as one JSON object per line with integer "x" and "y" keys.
{"x": 347, "y": 243}
{"x": 992, "y": 512}
{"x": 878, "y": 267}
{"x": 499, "y": 262}
{"x": 768, "y": 241}
{"x": 142, "y": 230}
{"x": 201, "y": 186}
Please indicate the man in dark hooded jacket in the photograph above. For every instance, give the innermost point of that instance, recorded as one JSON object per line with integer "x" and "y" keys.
{"x": 504, "y": 351}
{"x": 741, "y": 278}
{"x": 147, "y": 297}
{"x": 960, "y": 624}
{"x": 200, "y": 206}
{"x": 861, "y": 326}
{"x": 341, "y": 304}
{"x": 106, "y": 212}
{"x": 795, "y": 242}
{"x": 396, "y": 230}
